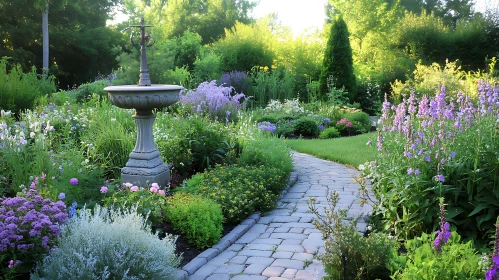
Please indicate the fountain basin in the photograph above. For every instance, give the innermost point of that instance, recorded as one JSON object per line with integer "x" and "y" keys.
{"x": 144, "y": 165}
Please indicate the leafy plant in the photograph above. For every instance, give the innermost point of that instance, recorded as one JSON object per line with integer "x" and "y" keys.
{"x": 329, "y": 133}
{"x": 347, "y": 254}
{"x": 200, "y": 219}
{"x": 268, "y": 152}
{"x": 306, "y": 126}
{"x": 456, "y": 260}
{"x": 236, "y": 189}
{"x": 443, "y": 147}
{"x": 90, "y": 244}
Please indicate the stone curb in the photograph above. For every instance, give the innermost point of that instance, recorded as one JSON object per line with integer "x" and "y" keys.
{"x": 228, "y": 239}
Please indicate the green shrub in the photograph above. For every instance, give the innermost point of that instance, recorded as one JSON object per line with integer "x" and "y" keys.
{"x": 360, "y": 122}
{"x": 85, "y": 91}
{"x": 200, "y": 219}
{"x": 456, "y": 260}
{"x": 348, "y": 254}
{"x": 268, "y": 152}
{"x": 237, "y": 190}
{"x": 284, "y": 128}
{"x": 330, "y": 132}
{"x": 192, "y": 144}
{"x": 306, "y": 126}
{"x": 109, "y": 244}
{"x": 207, "y": 67}
{"x": 19, "y": 91}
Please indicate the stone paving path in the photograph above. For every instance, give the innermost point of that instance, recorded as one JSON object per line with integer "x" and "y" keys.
{"x": 283, "y": 244}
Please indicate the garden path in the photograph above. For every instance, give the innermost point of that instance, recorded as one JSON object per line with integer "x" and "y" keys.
{"x": 283, "y": 244}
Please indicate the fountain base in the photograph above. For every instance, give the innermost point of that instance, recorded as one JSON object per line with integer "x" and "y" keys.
{"x": 142, "y": 169}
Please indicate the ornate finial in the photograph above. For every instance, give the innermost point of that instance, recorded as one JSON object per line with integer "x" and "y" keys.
{"x": 145, "y": 41}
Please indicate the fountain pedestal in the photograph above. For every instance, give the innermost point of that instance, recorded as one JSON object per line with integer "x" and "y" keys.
{"x": 144, "y": 164}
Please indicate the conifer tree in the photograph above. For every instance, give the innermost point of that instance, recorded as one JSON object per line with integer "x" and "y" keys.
{"x": 338, "y": 62}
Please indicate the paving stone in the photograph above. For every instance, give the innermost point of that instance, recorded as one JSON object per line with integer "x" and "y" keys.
{"x": 296, "y": 230}
{"x": 267, "y": 247}
{"x": 258, "y": 228}
{"x": 238, "y": 260}
{"x": 209, "y": 254}
{"x": 282, "y": 229}
{"x": 222, "y": 259}
{"x": 289, "y": 273}
{"x": 291, "y": 248}
{"x": 288, "y": 236}
{"x": 272, "y": 241}
{"x": 194, "y": 265}
{"x": 260, "y": 260}
{"x": 219, "y": 277}
{"x": 248, "y": 277}
{"x": 255, "y": 253}
{"x": 255, "y": 268}
{"x": 203, "y": 272}
{"x": 235, "y": 247}
{"x": 285, "y": 219}
{"x": 305, "y": 275}
{"x": 277, "y": 278}
{"x": 291, "y": 242}
{"x": 265, "y": 235}
{"x": 181, "y": 275}
{"x": 289, "y": 263}
{"x": 230, "y": 269}
{"x": 302, "y": 257}
{"x": 293, "y": 195}
{"x": 273, "y": 271}
{"x": 248, "y": 237}
{"x": 265, "y": 220}
{"x": 270, "y": 229}
{"x": 282, "y": 255}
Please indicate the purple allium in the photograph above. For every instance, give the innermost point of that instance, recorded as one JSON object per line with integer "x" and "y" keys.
{"x": 62, "y": 196}
{"x": 73, "y": 181}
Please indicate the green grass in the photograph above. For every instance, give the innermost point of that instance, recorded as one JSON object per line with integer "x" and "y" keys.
{"x": 346, "y": 150}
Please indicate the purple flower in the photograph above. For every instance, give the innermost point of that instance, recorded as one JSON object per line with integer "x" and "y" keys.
{"x": 268, "y": 126}
{"x": 452, "y": 155}
{"x": 62, "y": 196}
{"x": 410, "y": 171}
{"x": 73, "y": 181}
{"x": 104, "y": 189}
{"x": 440, "y": 178}
{"x": 427, "y": 158}
{"x": 321, "y": 127}
{"x": 407, "y": 154}
{"x": 416, "y": 171}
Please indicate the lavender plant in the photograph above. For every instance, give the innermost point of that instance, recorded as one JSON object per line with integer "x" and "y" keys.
{"x": 214, "y": 101}
{"x": 29, "y": 225}
{"x": 443, "y": 146}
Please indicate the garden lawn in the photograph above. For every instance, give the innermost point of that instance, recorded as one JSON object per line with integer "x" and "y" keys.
{"x": 346, "y": 150}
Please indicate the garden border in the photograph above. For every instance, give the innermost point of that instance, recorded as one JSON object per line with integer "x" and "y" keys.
{"x": 228, "y": 239}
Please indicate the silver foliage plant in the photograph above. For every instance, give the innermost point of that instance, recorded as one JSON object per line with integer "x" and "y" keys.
{"x": 110, "y": 244}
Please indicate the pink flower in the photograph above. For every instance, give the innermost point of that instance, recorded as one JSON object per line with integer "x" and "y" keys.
{"x": 44, "y": 176}
{"x": 155, "y": 185}
{"x": 128, "y": 185}
{"x": 11, "y": 264}
{"x": 104, "y": 189}
{"x": 161, "y": 192}
{"x": 32, "y": 186}
{"x": 134, "y": 188}
{"x": 349, "y": 124}
{"x": 36, "y": 180}
{"x": 153, "y": 189}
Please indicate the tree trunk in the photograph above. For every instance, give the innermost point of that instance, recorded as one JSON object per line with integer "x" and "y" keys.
{"x": 45, "y": 30}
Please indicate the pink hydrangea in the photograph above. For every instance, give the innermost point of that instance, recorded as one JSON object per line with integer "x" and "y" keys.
{"x": 134, "y": 188}
{"x": 104, "y": 189}
{"x": 161, "y": 192}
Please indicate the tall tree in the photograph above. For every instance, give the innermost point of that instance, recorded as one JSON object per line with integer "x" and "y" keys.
{"x": 337, "y": 67}
{"x": 81, "y": 45}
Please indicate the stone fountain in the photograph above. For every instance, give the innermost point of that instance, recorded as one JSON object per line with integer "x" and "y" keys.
{"x": 144, "y": 164}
